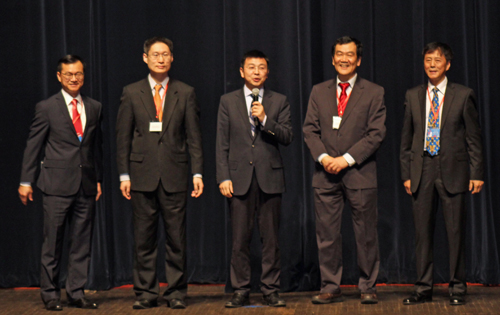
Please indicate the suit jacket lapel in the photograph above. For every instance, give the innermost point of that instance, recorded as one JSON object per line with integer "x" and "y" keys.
{"x": 242, "y": 108}
{"x": 448, "y": 100}
{"x": 147, "y": 99}
{"x": 421, "y": 101}
{"x": 88, "y": 106}
{"x": 356, "y": 93}
{"x": 170, "y": 102}
{"x": 63, "y": 107}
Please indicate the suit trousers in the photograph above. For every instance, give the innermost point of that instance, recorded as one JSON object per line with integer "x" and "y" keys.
{"x": 329, "y": 204}
{"x": 425, "y": 204}
{"x": 147, "y": 208}
{"x": 76, "y": 211}
{"x": 243, "y": 211}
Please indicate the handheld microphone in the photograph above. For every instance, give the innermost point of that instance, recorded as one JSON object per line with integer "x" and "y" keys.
{"x": 255, "y": 95}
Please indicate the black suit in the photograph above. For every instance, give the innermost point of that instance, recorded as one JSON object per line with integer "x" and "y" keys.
{"x": 255, "y": 167}
{"x": 445, "y": 176}
{"x": 69, "y": 172}
{"x": 157, "y": 163}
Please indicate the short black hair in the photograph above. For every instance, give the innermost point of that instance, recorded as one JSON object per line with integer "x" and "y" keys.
{"x": 253, "y": 54}
{"x": 158, "y": 39}
{"x": 69, "y": 59}
{"x": 346, "y": 40}
{"x": 445, "y": 49}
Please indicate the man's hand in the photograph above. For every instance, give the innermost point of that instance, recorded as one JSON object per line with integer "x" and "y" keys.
{"x": 25, "y": 193}
{"x": 407, "y": 184}
{"x": 475, "y": 186}
{"x": 99, "y": 191}
{"x": 226, "y": 188}
{"x": 125, "y": 188}
{"x": 198, "y": 187}
{"x": 327, "y": 161}
{"x": 337, "y": 165}
{"x": 258, "y": 111}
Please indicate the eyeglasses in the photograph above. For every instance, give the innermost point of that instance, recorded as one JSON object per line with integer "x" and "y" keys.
{"x": 155, "y": 56}
{"x": 68, "y": 75}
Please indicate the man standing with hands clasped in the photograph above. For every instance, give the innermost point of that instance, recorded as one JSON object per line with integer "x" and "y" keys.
{"x": 441, "y": 158}
{"x": 67, "y": 128}
{"x": 157, "y": 128}
{"x": 252, "y": 122}
{"x": 344, "y": 127}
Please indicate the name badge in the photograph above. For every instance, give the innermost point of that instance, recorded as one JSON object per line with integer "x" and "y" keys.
{"x": 336, "y": 122}
{"x": 433, "y": 132}
{"x": 155, "y": 126}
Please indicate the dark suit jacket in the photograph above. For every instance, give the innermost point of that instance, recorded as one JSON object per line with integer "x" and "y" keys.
{"x": 150, "y": 156}
{"x": 460, "y": 150}
{"x": 67, "y": 163}
{"x": 238, "y": 154}
{"x": 360, "y": 133}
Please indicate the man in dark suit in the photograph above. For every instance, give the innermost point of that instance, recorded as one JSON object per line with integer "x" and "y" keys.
{"x": 441, "y": 157}
{"x": 343, "y": 128}
{"x": 67, "y": 128}
{"x": 158, "y": 121}
{"x": 250, "y": 174}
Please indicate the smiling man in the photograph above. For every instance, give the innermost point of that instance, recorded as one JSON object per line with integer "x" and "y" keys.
{"x": 441, "y": 158}
{"x": 157, "y": 128}
{"x": 343, "y": 128}
{"x": 250, "y": 128}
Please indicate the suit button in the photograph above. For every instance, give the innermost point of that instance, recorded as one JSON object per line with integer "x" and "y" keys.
{"x": 80, "y": 166}
{"x": 251, "y": 163}
{"x": 253, "y": 146}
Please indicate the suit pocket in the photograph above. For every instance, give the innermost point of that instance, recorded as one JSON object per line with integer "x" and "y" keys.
{"x": 233, "y": 165}
{"x": 276, "y": 164}
{"x": 462, "y": 156}
{"x": 136, "y": 157}
{"x": 55, "y": 164}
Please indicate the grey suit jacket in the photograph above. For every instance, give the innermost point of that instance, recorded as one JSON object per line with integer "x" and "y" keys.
{"x": 461, "y": 157}
{"x": 67, "y": 163}
{"x": 360, "y": 133}
{"x": 150, "y": 156}
{"x": 238, "y": 154}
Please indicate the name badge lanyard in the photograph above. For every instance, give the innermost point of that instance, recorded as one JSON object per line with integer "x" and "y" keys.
{"x": 159, "y": 106}
{"x": 435, "y": 114}
{"x": 341, "y": 106}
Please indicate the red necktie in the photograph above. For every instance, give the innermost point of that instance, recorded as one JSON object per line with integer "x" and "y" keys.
{"x": 158, "y": 104}
{"x": 77, "y": 122}
{"x": 343, "y": 99}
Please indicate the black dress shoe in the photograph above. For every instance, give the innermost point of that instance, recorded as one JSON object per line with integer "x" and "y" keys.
{"x": 83, "y": 303}
{"x": 53, "y": 305}
{"x": 416, "y": 298}
{"x": 326, "y": 298}
{"x": 144, "y": 304}
{"x": 238, "y": 300}
{"x": 177, "y": 304}
{"x": 274, "y": 300}
{"x": 369, "y": 298}
{"x": 457, "y": 299}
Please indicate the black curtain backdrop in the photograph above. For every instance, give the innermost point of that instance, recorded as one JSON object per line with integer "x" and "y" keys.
{"x": 209, "y": 39}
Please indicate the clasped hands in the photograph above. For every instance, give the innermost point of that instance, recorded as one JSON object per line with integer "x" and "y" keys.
{"x": 334, "y": 165}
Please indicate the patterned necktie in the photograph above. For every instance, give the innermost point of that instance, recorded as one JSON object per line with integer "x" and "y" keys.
{"x": 432, "y": 138}
{"x": 77, "y": 121}
{"x": 252, "y": 122}
{"x": 158, "y": 104}
{"x": 343, "y": 99}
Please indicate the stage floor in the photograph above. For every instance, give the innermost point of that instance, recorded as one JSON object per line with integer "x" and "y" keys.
{"x": 210, "y": 299}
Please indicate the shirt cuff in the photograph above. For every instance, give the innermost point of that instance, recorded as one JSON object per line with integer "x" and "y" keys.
{"x": 198, "y": 175}
{"x": 320, "y": 158}
{"x": 124, "y": 177}
{"x": 263, "y": 123}
{"x": 25, "y": 184}
{"x": 350, "y": 160}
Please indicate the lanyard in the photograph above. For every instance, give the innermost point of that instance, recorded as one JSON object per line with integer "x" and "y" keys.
{"x": 159, "y": 106}
{"x": 341, "y": 106}
{"x": 435, "y": 114}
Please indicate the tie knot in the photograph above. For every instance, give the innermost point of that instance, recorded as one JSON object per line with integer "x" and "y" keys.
{"x": 435, "y": 90}
{"x": 74, "y": 102}
{"x": 344, "y": 86}
{"x": 158, "y": 87}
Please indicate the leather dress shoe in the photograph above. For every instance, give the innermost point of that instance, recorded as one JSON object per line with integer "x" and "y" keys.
{"x": 369, "y": 298}
{"x": 53, "y": 305}
{"x": 177, "y": 304}
{"x": 416, "y": 298}
{"x": 238, "y": 300}
{"x": 326, "y": 298}
{"x": 457, "y": 299}
{"x": 83, "y": 303}
{"x": 144, "y": 304}
{"x": 274, "y": 300}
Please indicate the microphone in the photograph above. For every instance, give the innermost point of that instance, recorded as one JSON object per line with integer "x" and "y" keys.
{"x": 255, "y": 95}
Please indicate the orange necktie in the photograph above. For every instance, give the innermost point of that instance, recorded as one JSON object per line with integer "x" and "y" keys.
{"x": 158, "y": 104}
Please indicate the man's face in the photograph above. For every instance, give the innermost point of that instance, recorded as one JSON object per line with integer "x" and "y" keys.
{"x": 71, "y": 77}
{"x": 435, "y": 66}
{"x": 254, "y": 72}
{"x": 159, "y": 58}
{"x": 345, "y": 60}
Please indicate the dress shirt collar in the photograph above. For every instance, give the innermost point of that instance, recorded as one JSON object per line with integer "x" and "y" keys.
{"x": 441, "y": 86}
{"x": 68, "y": 98}
{"x": 351, "y": 81}
{"x": 152, "y": 82}
{"x": 247, "y": 91}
